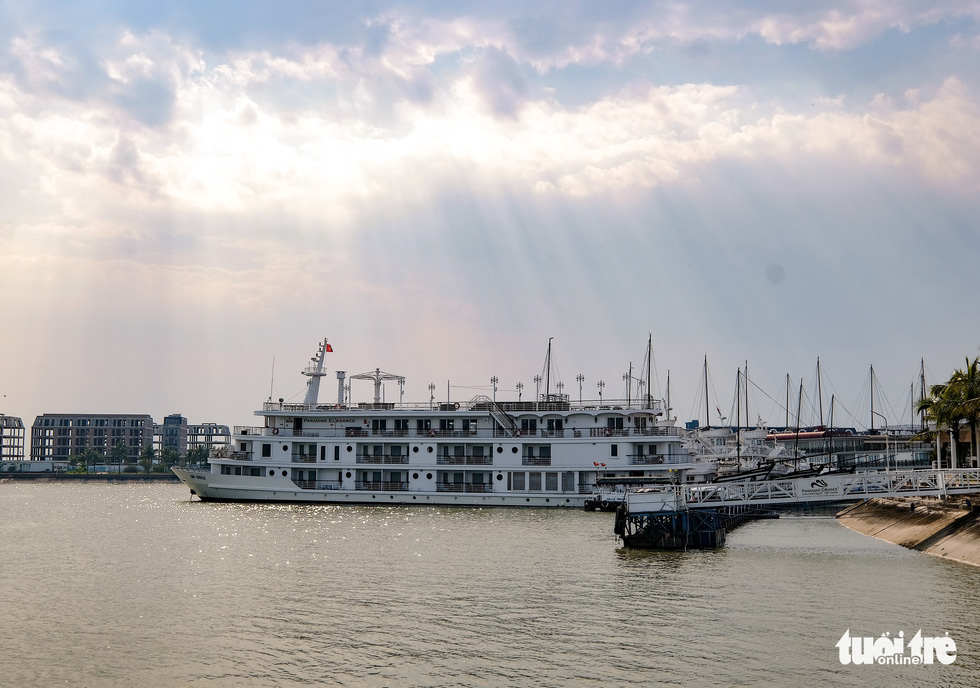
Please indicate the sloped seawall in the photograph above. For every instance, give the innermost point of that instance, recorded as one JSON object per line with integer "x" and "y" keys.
{"x": 944, "y": 528}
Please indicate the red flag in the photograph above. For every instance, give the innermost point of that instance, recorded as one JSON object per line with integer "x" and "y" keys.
{"x": 329, "y": 349}
{"x": 603, "y": 465}
{"x": 596, "y": 463}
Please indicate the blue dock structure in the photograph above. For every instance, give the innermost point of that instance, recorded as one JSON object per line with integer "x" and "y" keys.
{"x": 698, "y": 516}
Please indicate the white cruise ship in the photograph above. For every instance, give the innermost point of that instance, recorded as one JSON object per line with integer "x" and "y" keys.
{"x": 477, "y": 452}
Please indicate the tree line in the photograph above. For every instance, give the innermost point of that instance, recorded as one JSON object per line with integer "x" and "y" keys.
{"x": 147, "y": 462}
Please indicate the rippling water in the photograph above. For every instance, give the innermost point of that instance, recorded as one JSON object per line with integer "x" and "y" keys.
{"x": 123, "y": 585}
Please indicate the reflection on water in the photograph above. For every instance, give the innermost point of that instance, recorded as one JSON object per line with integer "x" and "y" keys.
{"x": 117, "y": 585}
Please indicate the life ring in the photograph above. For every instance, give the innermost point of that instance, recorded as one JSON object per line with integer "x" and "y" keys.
{"x": 275, "y": 431}
{"x": 432, "y": 433}
{"x": 456, "y": 406}
{"x": 607, "y": 432}
{"x": 517, "y": 433}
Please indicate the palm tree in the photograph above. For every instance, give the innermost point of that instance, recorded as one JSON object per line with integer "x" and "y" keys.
{"x": 958, "y": 400}
{"x": 965, "y": 388}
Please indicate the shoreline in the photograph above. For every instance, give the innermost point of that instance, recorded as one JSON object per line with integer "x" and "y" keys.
{"x": 61, "y": 476}
{"x": 949, "y": 529}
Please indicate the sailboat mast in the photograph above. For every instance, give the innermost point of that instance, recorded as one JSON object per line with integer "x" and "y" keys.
{"x": 819, "y": 392}
{"x": 707, "y": 413}
{"x": 872, "y": 400}
{"x": 922, "y": 391}
{"x": 799, "y": 407}
{"x": 649, "y": 398}
{"x": 747, "y": 421}
{"x": 738, "y": 418}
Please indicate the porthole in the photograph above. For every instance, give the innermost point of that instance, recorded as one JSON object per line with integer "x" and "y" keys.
{"x": 513, "y": 450}
{"x": 350, "y": 448}
{"x": 285, "y": 447}
{"x": 547, "y": 500}
{"x": 428, "y": 476}
{"x": 527, "y": 499}
{"x": 272, "y": 472}
{"x": 500, "y": 450}
{"x": 284, "y": 474}
{"x": 347, "y": 474}
{"x": 415, "y": 476}
{"x": 500, "y": 476}
{"x": 415, "y": 450}
{"x": 429, "y": 449}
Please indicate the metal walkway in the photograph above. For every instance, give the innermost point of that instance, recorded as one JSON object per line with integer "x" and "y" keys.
{"x": 832, "y": 487}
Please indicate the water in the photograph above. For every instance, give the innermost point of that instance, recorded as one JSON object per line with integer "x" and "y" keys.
{"x": 134, "y": 585}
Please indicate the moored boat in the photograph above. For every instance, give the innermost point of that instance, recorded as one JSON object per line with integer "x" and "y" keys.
{"x": 477, "y": 452}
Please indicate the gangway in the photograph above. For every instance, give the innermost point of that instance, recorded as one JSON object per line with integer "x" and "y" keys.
{"x": 683, "y": 516}
{"x": 831, "y": 487}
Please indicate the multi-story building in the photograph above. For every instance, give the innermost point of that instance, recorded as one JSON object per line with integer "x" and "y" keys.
{"x": 172, "y": 434}
{"x": 210, "y": 436}
{"x": 59, "y": 436}
{"x": 12, "y": 436}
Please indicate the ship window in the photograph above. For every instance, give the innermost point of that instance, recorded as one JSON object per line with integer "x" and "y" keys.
{"x": 518, "y": 482}
{"x": 613, "y": 450}
{"x": 255, "y": 471}
{"x": 551, "y": 482}
{"x": 266, "y": 450}
{"x": 238, "y": 470}
{"x": 336, "y": 453}
{"x": 567, "y": 481}
{"x": 534, "y": 481}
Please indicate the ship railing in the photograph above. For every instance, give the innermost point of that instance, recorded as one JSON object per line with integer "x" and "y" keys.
{"x": 648, "y": 459}
{"x": 236, "y": 456}
{"x": 381, "y": 485}
{"x": 553, "y": 402}
{"x": 318, "y": 484}
{"x": 536, "y": 461}
{"x": 303, "y": 458}
{"x": 587, "y": 489}
{"x": 464, "y": 487}
{"x": 486, "y": 460}
{"x": 435, "y": 433}
{"x": 382, "y": 458}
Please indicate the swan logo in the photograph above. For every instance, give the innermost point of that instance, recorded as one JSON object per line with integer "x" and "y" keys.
{"x": 818, "y": 483}
{"x": 889, "y": 649}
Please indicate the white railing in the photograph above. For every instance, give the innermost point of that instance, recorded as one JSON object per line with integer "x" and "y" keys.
{"x": 829, "y": 487}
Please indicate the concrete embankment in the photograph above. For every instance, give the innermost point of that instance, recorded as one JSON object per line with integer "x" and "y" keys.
{"x": 947, "y": 528}
{"x": 167, "y": 477}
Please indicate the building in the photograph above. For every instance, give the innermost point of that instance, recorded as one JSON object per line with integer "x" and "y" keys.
{"x": 171, "y": 435}
{"x": 210, "y": 436}
{"x": 59, "y": 436}
{"x": 12, "y": 435}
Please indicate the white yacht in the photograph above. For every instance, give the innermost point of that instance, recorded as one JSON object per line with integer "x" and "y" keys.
{"x": 475, "y": 452}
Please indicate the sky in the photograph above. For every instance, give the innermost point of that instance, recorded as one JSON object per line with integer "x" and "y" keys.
{"x": 193, "y": 195}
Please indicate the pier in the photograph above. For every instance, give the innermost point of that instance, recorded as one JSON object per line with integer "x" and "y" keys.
{"x": 692, "y": 516}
